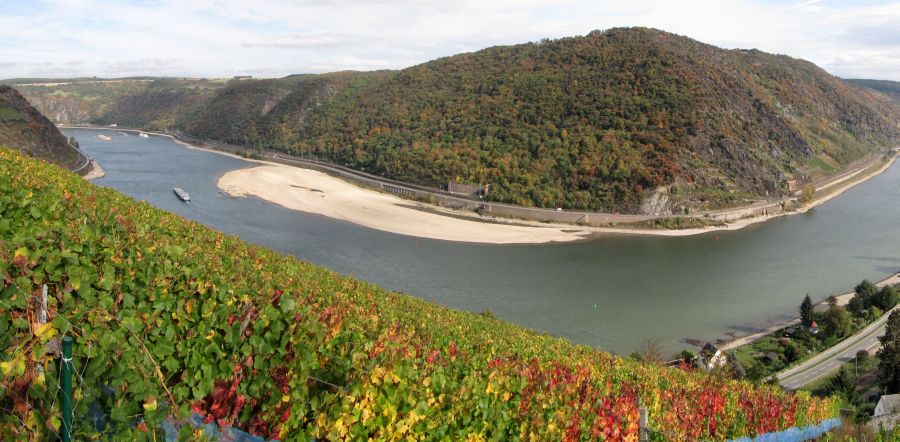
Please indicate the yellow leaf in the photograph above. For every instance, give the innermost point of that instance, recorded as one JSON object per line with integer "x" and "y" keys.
{"x": 150, "y": 405}
{"x": 43, "y": 331}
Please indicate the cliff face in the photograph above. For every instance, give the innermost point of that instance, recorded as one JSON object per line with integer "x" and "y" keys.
{"x": 629, "y": 120}
{"x": 22, "y": 127}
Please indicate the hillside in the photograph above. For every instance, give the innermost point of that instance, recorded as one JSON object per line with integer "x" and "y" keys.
{"x": 171, "y": 317}
{"x": 890, "y": 89}
{"x": 149, "y": 103}
{"x": 631, "y": 120}
{"x": 21, "y": 125}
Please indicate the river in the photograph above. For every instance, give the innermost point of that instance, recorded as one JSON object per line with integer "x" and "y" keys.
{"x": 611, "y": 292}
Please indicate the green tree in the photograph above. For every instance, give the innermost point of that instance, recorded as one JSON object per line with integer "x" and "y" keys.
{"x": 865, "y": 292}
{"x": 837, "y": 322}
{"x": 843, "y": 383}
{"x": 889, "y": 356}
{"x": 886, "y": 298}
{"x": 856, "y": 305}
{"x": 791, "y": 352}
{"x": 806, "y": 311}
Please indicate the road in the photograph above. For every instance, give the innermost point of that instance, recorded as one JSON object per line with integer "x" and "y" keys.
{"x": 830, "y": 360}
{"x": 85, "y": 160}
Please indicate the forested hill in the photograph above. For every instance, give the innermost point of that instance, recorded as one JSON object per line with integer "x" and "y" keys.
{"x": 891, "y": 89}
{"x": 22, "y": 126}
{"x": 631, "y": 120}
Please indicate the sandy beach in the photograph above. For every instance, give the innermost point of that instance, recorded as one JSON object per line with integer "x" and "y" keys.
{"x": 290, "y": 186}
{"x": 95, "y": 172}
{"x": 315, "y": 192}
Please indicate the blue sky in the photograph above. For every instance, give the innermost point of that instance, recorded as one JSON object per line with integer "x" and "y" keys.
{"x": 267, "y": 38}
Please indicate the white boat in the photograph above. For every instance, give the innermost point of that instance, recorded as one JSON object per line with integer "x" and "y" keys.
{"x": 104, "y": 137}
{"x": 182, "y": 195}
{"x": 143, "y": 135}
{"x": 122, "y": 134}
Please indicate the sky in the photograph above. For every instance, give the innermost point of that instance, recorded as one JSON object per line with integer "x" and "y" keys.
{"x": 273, "y": 38}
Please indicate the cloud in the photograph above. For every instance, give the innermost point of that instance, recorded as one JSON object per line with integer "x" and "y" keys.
{"x": 221, "y": 38}
{"x": 297, "y": 41}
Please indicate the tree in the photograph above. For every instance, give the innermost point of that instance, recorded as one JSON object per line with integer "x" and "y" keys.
{"x": 844, "y": 384}
{"x": 757, "y": 371}
{"x": 856, "y": 305}
{"x": 889, "y": 355}
{"x": 791, "y": 353}
{"x": 649, "y": 351}
{"x": 886, "y": 298}
{"x": 832, "y": 301}
{"x": 865, "y": 292}
{"x": 807, "y": 194}
{"x": 806, "y": 311}
{"x": 837, "y": 322}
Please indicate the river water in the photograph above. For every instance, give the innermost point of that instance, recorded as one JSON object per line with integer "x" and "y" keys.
{"x": 611, "y": 292}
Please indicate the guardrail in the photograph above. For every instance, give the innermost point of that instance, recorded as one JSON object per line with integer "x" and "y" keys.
{"x": 86, "y": 159}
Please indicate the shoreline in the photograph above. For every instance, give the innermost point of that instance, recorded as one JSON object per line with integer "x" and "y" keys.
{"x": 507, "y": 230}
{"x": 842, "y": 300}
{"x": 95, "y": 171}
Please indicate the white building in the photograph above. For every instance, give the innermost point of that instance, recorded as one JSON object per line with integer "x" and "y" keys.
{"x": 887, "y": 412}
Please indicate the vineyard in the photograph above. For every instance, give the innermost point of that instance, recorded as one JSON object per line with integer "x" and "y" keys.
{"x": 171, "y": 318}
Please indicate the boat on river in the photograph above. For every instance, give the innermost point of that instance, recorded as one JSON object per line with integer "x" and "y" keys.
{"x": 143, "y": 135}
{"x": 182, "y": 195}
{"x": 104, "y": 137}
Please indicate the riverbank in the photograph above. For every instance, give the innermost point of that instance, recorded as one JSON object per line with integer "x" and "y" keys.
{"x": 291, "y": 186}
{"x": 316, "y": 192}
{"x": 387, "y": 212}
{"x": 95, "y": 171}
{"x": 842, "y": 300}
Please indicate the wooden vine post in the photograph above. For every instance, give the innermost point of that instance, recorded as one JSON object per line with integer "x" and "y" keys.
{"x": 66, "y": 400}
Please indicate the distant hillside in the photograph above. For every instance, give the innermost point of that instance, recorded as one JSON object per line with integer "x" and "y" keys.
{"x": 24, "y": 128}
{"x": 890, "y": 89}
{"x": 630, "y": 120}
{"x": 140, "y": 102}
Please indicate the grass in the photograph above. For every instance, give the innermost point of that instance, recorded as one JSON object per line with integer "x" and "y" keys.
{"x": 7, "y": 114}
{"x": 819, "y": 163}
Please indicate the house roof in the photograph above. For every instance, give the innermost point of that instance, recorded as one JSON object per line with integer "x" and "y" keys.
{"x": 890, "y": 403}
